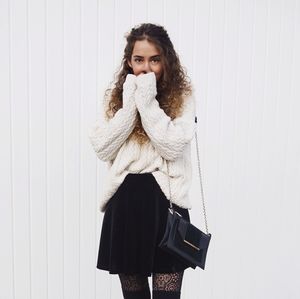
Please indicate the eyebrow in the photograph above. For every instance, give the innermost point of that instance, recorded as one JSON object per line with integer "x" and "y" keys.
{"x": 143, "y": 57}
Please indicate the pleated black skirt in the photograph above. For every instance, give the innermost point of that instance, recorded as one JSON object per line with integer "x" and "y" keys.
{"x": 133, "y": 225}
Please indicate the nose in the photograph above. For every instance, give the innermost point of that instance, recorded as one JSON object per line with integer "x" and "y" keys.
{"x": 146, "y": 67}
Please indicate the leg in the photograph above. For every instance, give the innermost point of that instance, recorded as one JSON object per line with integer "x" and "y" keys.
{"x": 134, "y": 286}
{"x": 167, "y": 285}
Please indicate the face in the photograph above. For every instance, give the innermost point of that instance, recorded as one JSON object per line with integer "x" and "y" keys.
{"x": 146, "y": 58}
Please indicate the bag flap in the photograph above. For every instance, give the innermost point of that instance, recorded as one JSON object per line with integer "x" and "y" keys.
{"x": 189, "y": 233}
{"x": 182, "y": 227}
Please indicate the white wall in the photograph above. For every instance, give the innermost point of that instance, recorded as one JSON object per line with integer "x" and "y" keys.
{"x": 56, "y": 59}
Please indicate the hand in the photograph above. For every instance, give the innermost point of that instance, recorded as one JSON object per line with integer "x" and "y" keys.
{"x": 130, "y": 79}
{"x": 147, "y": 83}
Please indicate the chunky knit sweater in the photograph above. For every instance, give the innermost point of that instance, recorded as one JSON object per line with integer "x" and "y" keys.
{"x": 169, "y": 140}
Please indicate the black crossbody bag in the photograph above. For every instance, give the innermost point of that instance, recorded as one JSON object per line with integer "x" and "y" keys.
{"x": 182, "y": 238}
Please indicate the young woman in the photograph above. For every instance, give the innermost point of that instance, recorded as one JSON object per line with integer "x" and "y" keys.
{"x": 148, "y": 121}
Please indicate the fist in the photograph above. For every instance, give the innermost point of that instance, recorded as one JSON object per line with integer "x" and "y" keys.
{"x": 147, "y": 83}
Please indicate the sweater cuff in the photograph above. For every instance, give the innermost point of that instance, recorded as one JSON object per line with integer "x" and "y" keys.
{"x": 129, "y": 87}
{"x": 146, "y": 88}
{"x": 168, "y": 136}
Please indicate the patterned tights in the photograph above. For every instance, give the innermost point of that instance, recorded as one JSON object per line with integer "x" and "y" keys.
{"x": 164, "y": 286}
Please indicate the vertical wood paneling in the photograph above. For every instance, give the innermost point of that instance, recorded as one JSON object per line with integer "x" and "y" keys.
{"x": 291, "y": 172}
{"x": 269, "y": 154}
{"x": 192, "y": 47}
{"x": 37, "y": 147}
{"x": 7, "y": 225}
{"x": 155, "y": 9}
{"x": 55, "y": 136}
{"x": 186, "y": 34}
{"x": 57, "y": 58}
{"x": 105, "y": 75}
{"x": 255, "y": 143}
{"x": 139, "y": 11}
{"x": 20, "y": 149}
{"x": 275, "y": 125}
{"x": 171, "y": 23}
{"x": 185, "y": 50}
{"x": 88, "y": 206}
{"x": 72, "y": 90}
{"x": 238, "y": 73}
{"x": 214, "y": 83}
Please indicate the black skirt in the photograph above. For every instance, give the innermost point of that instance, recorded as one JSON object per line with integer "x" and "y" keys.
{"x": 133, "y": 225}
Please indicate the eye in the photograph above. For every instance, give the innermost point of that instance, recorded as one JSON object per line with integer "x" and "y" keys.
{"x": 156, "y": 60}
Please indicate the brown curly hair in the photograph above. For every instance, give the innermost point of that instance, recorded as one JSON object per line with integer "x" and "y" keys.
{"x": 172, "y": 87}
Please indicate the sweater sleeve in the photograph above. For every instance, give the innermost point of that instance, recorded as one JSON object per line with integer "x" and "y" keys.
{"x": 169, "y": 137}
{"x": 107, "y": 136}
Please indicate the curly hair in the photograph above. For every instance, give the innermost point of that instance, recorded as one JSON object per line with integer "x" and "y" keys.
{"x": 172, "y": 87}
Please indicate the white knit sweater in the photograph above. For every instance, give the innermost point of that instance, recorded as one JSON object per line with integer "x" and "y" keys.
{"x": 170, "y": 140}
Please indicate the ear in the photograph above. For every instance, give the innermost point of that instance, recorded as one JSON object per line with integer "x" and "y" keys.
{"x": 129, "y": 63}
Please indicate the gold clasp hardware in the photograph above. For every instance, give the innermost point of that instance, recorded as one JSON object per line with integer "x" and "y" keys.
{"x": 197, "y": 248}
{"x": 178, "y": 214}
{"x": 175, "y": 212}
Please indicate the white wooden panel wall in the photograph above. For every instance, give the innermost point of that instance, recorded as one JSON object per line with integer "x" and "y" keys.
{"x": 56, "y": 59}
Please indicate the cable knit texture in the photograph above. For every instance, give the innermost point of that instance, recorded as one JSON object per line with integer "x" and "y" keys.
{"x": 169, "y": 140}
